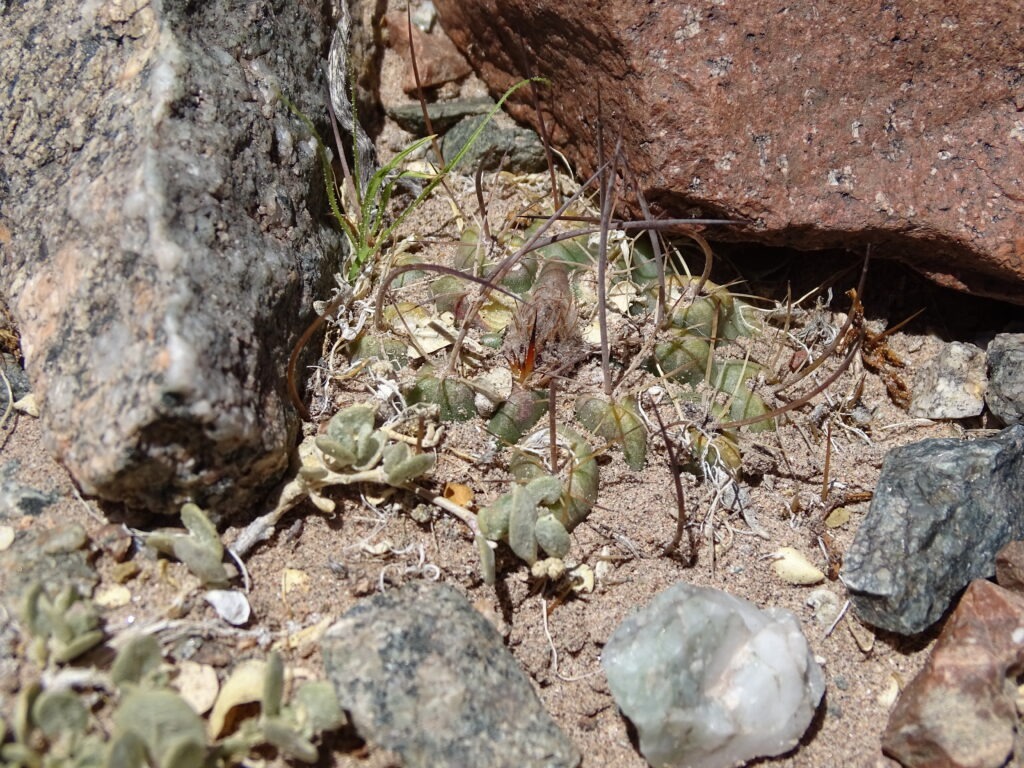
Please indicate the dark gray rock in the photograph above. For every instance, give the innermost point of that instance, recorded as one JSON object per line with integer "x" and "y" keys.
{"x": 16, "y": 377}
{"x": 55, "y": 557}
{"x": 163, "y": 237}
{"x": 424, "y": 674}
{"x": 941, "y": 511}
{"x": 1005, "y": 396}
{"x": 16, "y": 498}
{"x": 509, "y": 147}
{"x": 443, "y": 114}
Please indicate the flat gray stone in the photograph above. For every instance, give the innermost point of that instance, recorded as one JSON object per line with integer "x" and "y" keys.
{"x": 161, "y": 214}
{"x": 424, "y": 674}
{"x": 519, "y": 148}
{"x": 1005, "y": 396}
{"x": 941, "y": 511}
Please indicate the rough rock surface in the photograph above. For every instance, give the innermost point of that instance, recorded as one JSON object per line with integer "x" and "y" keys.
{"x": 1005, "y": 397}
{"x": 711, "y": 681}
{"x": 832, "y": 124}
{"x": 438, "y": 61}
{"x": 959, "y": 711}
{"x": 161, "y": 233}
{"x": 422, "y": 673}
{"x": 952, "y": 385}
{"x": 1010, "y": 567}
{"x": 942, "y": 509}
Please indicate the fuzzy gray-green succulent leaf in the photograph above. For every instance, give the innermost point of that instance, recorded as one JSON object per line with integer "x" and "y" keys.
{"x": 401, "y": 464}
{"x": 201, "y": 549}
{"x": 488, "y": 566}
{"x": 273, "y": 685}
{"x": 163, "y": 722}
{"x": 618, "y": 423}
{"x": 63, "y": 628}
{"x": 58, "y": 713}
{"x": 319, "y": 705}
{"x": 21, "y": 721}
{"x": 200, "y": 526}
{"x": 522, "y": 521}
{"x": 493, "y": 519}
{"x": 551, "y": 536}
{"x": 288, "y": 740}
{"x": 127, "y": 750}
{"x": 139, "y": 658}
{"x": 351, "y": 440}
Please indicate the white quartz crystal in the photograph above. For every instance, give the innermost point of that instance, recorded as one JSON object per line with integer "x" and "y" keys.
{"x": 711, "y": 681}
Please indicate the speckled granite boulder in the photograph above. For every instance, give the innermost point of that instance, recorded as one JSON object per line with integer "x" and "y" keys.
{"x": 422, "y": 673}
{"x": 162, "y": 235}
{"x": 823, "y": 124}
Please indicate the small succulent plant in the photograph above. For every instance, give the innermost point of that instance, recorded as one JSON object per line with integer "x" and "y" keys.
{"x": 62, "y": 627}
{"x": 154, "y": 726}
{"x": 538, "y": 513}
{"x": 200, "y": 549}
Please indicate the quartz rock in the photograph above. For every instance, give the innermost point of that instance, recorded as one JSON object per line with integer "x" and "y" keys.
{"x": 710, "y": 681}
{"x": 959, "y": 711}
{"x": 942, "y": 509}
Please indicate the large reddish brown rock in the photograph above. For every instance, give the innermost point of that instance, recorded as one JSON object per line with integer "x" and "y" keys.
{"x": 959, "y": 712}
{"x": 822, "y": 124}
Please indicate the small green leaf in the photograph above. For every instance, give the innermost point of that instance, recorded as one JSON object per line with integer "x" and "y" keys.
{"x": 618, "y": 423}
{"x": 521, "y": 523}
{"x": 65, "y": 652}
{"x": 552, "y": 536}
{"x": 22, "y": 718}
{"x": 488, "y": 567}
{"x": 162, "y": 720}
{"x": 199, "y": 525}
{"x": 517, "y": 415}
{"x": 402, "y": 465}
{"x": 273, "y": 685}
{"x": 283, "y": 736}
{"x": 139, "y": 657}
{"x": 59, "y": 712}
{"x": 684, "y": 358}
{"x": 493, "y": 519}
{"x": 319, "y": 702}
{"x": 456, "y": 400}
{"x": 127, "y": 750}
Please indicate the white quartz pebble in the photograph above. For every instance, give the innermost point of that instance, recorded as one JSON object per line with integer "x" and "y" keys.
{"x": 711, "y": 681}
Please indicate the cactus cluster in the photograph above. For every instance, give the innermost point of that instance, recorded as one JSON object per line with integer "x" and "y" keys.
{"x": 535, "y": 312}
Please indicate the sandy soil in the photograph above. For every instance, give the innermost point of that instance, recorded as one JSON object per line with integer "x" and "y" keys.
{"x": 371, "y": 543}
